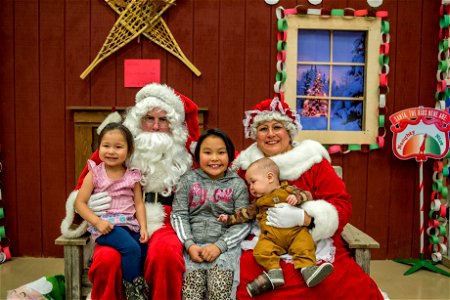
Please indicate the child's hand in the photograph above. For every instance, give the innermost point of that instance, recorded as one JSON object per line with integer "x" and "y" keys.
{"x": 103, "y": 226}
{"x": 301, "y": 195}
{"x": 292, "y": 200}
{"x": 223, "y": 218}
{"x": 144, "y": 236}
{"x": 210, "y": 252}
{"x": 194, "y": 252}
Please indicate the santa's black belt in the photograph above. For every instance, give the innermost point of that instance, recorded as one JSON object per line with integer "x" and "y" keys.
{"x": 156, "y": 197}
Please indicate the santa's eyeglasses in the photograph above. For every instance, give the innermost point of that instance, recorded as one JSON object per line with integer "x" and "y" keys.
{"x": 151, "y": 121}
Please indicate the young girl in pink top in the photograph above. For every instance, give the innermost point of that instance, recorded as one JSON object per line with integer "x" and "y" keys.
{"x": 124, "y": 225}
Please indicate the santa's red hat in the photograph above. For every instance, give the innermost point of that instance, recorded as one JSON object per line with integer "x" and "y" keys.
{"x": 271, "y": 109}
{"x": 191, "y": 119}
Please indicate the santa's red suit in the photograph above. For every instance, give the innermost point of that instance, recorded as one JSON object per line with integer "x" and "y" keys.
{"x": 161, "y": 167}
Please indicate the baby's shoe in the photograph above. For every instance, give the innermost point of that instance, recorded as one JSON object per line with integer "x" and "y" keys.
{"x": 316, "y": 274}
{"x": 265, "y": 282}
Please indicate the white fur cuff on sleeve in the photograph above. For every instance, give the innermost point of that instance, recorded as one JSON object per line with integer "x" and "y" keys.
{"x": 66, "y": 224}
{"x": 325, "y": 216}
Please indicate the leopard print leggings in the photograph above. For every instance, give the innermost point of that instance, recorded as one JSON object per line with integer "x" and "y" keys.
{"x": 218, "y": 282}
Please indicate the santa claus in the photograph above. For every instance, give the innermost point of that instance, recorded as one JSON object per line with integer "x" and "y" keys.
{"x": 164, "y": 123}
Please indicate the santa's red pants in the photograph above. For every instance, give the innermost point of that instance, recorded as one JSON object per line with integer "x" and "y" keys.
{"x": 163, "y": 268}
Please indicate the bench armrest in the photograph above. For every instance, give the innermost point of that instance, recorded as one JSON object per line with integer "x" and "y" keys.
{"x": 356, "y": 239}
{"x": 360, "y": 243}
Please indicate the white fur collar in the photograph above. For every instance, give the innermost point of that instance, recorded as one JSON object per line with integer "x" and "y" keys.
{"x": 292, "y": 164}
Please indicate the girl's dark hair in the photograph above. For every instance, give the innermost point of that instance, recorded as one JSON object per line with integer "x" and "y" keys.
{"x": 125, "y": 132}
{"x": 220, "y": 134}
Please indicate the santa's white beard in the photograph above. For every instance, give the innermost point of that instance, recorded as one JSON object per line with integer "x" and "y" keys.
{"x": 161, "y": 161}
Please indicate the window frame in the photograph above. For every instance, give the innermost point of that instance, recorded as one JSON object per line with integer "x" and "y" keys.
{"x": 372, "y": 26}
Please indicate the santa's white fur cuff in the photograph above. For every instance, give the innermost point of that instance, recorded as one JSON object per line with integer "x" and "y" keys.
{"x": 325, "y": 216}
{"x": 66, "y": 224}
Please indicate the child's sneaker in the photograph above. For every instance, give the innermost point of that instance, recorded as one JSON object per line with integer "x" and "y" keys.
{"x": 259, "y": 285}
{"x": 266, "y": 282}
{"x": 316, "y": 274}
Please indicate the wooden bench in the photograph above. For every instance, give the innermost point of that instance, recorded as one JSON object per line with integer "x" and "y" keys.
{"x": 75, "y": 261}
{"x": 77, "y": 252}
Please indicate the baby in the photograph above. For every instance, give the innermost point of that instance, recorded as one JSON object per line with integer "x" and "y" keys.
{"x": 263, "y": 179}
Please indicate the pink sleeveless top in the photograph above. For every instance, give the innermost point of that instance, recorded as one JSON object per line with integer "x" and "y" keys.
{"x": 122, "y": 211}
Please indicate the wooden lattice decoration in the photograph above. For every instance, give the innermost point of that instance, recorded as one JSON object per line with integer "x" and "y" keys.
{"x": 139, "y": 17}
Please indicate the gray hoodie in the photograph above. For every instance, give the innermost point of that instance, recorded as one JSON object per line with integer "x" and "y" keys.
{"x": 198, "y": 202}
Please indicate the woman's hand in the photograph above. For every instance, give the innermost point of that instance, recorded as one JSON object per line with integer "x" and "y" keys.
{"x": 210, "y": 252}
{"x": 195, "y": 253}
{"x": 284, "y": 215}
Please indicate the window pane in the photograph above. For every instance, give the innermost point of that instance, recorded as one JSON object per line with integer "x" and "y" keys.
{"x": 313, "y": 113}
{"x": 313, "y": 80}
{"x": 346, "y": 115}
{"x": 348, "y": 81}
{"x": 314, "y": 45}
{"x": 349, "y": 46}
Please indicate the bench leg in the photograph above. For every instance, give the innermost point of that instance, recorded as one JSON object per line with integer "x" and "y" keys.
{"x": 73, "y": 266}
{"x": 362, "y": 257}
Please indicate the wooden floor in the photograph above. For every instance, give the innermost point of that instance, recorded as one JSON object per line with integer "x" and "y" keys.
{"x": 388, "y": 274}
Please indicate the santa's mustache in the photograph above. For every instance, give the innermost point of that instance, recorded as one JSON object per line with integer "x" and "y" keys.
{"x": 153, "y": 143}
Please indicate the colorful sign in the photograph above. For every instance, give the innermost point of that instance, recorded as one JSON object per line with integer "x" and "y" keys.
{"x": 420, "y": 132}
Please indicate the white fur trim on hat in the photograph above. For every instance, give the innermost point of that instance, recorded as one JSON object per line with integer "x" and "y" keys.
{"x": 165, "y": 94}
{"x": 113, "y": 117}
{"x": 325, "y": 216}
{"x": 67, "y": 229}
{"x": 269, "y": 110}
{"x": 192, "y": 147}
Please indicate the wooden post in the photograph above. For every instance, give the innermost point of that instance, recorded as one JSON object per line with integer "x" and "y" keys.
{"x": 73, "y": 264}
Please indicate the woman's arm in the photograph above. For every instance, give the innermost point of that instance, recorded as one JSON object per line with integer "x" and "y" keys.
{"x": 328, "y": 186}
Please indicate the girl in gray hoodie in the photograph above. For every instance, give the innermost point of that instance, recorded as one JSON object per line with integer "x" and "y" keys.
{"x": 212, "y": 248}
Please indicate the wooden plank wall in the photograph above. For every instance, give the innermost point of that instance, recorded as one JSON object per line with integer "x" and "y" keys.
{"x": 46, "y": 44}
